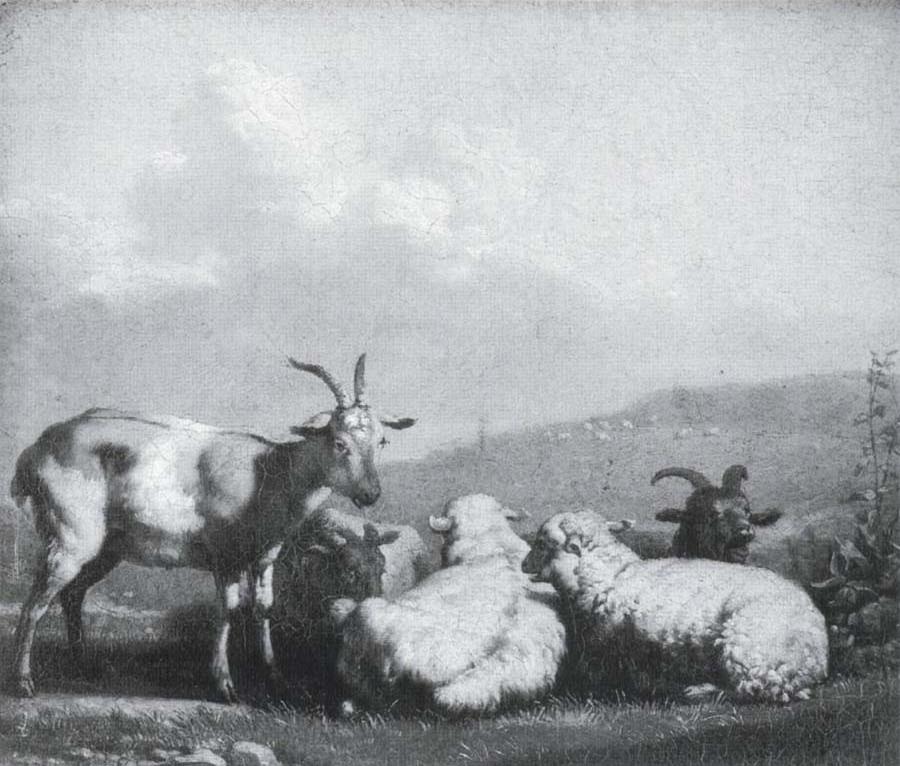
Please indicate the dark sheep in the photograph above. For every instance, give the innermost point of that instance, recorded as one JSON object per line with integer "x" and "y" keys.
{"x": 716, "y": 522}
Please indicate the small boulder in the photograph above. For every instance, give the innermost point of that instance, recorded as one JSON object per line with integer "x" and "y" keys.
{"x": 251, "y": 754}
{"x": 200, "y": 757}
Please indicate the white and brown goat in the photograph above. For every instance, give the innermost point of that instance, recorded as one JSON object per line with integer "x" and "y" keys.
{"x": 110, "y": 486}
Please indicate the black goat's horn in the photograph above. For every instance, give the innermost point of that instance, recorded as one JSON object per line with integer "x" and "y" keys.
{"x": 732, "y": 478}
{"x": 697, "y": 479}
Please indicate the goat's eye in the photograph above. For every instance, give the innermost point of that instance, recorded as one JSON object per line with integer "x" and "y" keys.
{"x": 383, "y": 442}
{"x": 341, "y": 448}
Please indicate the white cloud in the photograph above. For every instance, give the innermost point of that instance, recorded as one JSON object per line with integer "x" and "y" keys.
{"x": 74, "y": 253}
{"x": 314, "y": 151}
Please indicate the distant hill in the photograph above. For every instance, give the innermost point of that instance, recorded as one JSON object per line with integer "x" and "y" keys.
{"x": 795, "y": 436}
{"x": 824, "y": 403}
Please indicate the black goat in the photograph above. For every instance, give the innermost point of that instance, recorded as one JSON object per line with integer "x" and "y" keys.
{"x": 716, "y": 522}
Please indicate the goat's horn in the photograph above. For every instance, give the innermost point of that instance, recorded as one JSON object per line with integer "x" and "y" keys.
{"x": 732, "y": 478}
{"x": 336, "y": 388}
{"x": 359, "y": 380}
{"x": 440, "y": 523}
{"x": 694, "y": 477}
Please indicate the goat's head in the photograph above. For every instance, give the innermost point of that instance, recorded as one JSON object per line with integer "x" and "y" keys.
{"x": 716, "y": 522}
{"x": 349, "y": 436}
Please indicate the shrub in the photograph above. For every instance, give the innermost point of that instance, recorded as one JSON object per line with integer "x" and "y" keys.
{"x": 860, "y": 597}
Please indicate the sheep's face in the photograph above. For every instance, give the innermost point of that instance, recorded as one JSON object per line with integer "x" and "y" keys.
{"x": 555, "y": 554}
{"x": 348, "y": 565}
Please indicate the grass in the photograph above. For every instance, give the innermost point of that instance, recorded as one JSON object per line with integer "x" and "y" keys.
{"x": 851, "y": 722}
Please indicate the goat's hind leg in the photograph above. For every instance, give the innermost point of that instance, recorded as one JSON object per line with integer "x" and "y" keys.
{"x": 72, "y": 598}
{"x": 228, "y": 589}
{"x": 55, "y": 570}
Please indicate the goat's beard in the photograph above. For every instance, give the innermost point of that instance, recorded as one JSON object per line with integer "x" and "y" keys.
{"x": 737, "y": 554}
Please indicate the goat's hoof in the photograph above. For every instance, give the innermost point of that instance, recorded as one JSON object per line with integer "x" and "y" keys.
{"x": 276, "y": 685}
{"x": 226, "y": 692}
{"x": 700, "y": 691}
{"x": 23, "y": 686}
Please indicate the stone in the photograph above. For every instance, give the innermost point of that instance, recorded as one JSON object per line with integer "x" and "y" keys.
{"x": 200, "y": 757}
{"x": 251, "y": 754}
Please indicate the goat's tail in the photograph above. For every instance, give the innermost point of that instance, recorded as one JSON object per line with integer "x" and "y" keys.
{"x": 24, "y": 483}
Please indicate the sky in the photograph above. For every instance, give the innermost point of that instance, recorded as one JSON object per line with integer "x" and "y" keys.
{"x": 524, "y": 214}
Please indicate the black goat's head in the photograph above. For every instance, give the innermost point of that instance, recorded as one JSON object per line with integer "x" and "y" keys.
{"x": 716, "y": 522}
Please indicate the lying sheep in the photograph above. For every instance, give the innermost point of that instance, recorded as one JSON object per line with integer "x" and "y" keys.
{"x": 470, "y": 638}
{"x": 717, "y": 522}
{"x": 319, "y": 564}
{"x": 406, "y": 558}
{"x": 701, "y": 622}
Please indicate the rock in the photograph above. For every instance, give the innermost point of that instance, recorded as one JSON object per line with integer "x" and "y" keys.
{"x": 159, "y": 754}
{"x": 200, "y": 757}
{"x": 251, "y": 754}
{"x": 85, "y": 754}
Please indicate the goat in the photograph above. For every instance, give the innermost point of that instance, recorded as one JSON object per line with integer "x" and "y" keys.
{"x": 717, "y": 522}
{"x": 110, "y": 486}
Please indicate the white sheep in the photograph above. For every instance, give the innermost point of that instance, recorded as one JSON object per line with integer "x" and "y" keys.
{"x": 406, "y": 557}
{"x": 691, "y": 620}
{"x": 470, "y": 638}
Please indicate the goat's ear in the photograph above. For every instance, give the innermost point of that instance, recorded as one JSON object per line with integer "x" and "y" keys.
{"x": 315, "y": 426}
{"x": 396, "y": 423}
{"x": 319, "y": 549}
{"x": 389, "y": 537}
{"x": 766, "y": 517}
{"x": 675, "y": 515}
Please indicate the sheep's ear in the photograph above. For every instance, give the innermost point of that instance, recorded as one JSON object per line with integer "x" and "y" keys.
{"x": 514, "y": 515}
{"x": 674, "y": 515}
{"x": 315, "y": 426}
{"x": 389, "y": 537}
{"x": 440, "y": 524}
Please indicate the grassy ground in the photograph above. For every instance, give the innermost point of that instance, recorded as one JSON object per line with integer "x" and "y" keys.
{"x": 797, "y": 442}
{"x": 850, "y": 723}
{"x": 852, "y": 720}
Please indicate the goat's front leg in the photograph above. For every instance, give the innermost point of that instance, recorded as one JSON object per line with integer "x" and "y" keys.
{"x": 263, "y": 599}
{"x": 228, "y": 588}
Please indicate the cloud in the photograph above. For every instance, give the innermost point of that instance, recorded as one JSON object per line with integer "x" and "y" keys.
{"x": 314, "y": 151}
{"x": 61, "y": 246}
